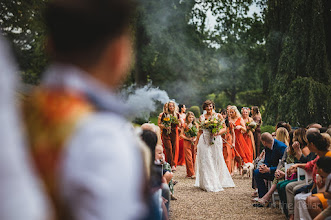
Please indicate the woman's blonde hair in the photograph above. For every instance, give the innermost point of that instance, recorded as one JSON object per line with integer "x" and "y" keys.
{"x": 233, "y": 107}
{"x": 283, "y": 135}
{"x": 165, "y": 108}
{"x": 176, "y": 108}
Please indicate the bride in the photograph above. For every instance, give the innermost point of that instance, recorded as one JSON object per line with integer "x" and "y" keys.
{"x": 211, "y": 171}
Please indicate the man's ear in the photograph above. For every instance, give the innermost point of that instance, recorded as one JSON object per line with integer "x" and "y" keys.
{"x": 121, "y": 52}
{"x": 117, "y": 59}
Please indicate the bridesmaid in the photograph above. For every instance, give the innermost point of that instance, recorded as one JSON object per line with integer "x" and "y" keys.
{"x": 241, "y": 147}
{"x": 165, "y": 111}
{"x": 248, "y": 135}
{"x": 189, "y": 144}
{"x": 228, "y": 143}
{"x": 170, "y": 135}
{"x": 256, "y": 115}
{"x": 181, "y": 153}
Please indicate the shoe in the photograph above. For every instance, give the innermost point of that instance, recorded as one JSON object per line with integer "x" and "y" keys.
{"x": 175, "y": 182}
{"x": 173, "y": 169}
{"x": 260, "y": 203}
{"x": 190, "y": 177}
{"x": 255, "y": 194}
{"x": 172, "y": 197}
{"x": 256, "y": 199}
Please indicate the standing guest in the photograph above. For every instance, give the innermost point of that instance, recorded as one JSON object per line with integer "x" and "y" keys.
{"x": 241, "y": 147}
{"x": 273, "y": 153}
{"x": 181, "y": 153}
{"x": 188, "y": 134}
{"x": 256, "y": 115}
{"x": 77, "y": 131}
{"x": 21, "y": 194}
{"x": 228, "y": 143}
{"x": 169, "y": 123}
{"x": 248, "y": 135}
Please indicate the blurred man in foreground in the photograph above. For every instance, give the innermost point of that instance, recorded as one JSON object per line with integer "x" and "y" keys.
{"x": 82, "y": 146}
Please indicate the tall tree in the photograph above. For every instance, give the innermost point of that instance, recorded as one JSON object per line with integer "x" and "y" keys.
{"x": 298, "y": 57}
{"x": 21, "y": 21}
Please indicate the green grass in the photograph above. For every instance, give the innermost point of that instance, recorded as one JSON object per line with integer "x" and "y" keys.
{"x": 153, "y": 120}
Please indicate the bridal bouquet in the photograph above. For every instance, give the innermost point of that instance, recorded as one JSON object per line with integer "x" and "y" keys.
{"x": 168, "y": 121}
{"x": 191, "y": 131}
{"x": 251, "y": 126}
{"x": 213, "y": 126}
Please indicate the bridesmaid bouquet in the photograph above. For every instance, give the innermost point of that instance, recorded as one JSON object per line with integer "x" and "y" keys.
{"x": 213, "y": 126}
{"x": 251, "y": 126}
{"x": 191, "y": 131}
{"x": 168, "y": 121}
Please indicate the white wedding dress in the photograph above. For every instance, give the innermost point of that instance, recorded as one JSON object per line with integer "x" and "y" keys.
{"x": 212, "y": 173}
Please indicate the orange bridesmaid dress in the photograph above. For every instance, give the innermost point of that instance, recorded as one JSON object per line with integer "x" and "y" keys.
{"x": 181, "y": 153}
{"x": 228, "y": 151}
{"x": 241, "y": 145}
{"x": 249, "y": 145}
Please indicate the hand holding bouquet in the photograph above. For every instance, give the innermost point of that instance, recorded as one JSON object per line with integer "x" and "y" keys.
{"x": 168, "y": 121}
{"x": 251, "y": 126}
{"x": 191, "y": 132}
{"x": 213, "y": 126}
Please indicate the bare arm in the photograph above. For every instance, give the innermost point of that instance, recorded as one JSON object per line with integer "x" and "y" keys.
{"x": 159, "y": 122}
{"x": 242, "y": 125}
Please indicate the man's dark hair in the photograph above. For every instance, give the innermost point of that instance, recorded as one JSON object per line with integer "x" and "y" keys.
{"x": 320, "y": 142}
{"x": 150, "y": 138}
{"x": 324, "y": 163}
{"x": 80, "y": 29}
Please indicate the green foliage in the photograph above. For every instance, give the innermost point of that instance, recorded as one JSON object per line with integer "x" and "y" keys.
{"x": 252, "y": 97}
{"x": 267, "y": 128}
{"x": 195, "y": 110}
{"x": 174, "y": 49}
{"x": 139, "y": 121}
{"x": 153, "y": 120}
{"x": 22, "y": 23}
{"x": 298, "y": 57}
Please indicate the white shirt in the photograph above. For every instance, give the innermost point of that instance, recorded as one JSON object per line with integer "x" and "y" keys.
{"x": 21, "y": 196}
{"x": 101, "y": 173}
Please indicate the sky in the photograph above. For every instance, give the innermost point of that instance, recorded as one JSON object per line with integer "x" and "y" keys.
{"x": 211, "y": 20}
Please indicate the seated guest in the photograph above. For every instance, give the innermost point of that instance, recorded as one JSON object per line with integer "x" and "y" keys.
{"x": 166, "y": 171}
{"x": 318, "y": 143}
{"x": 274, "y": 152}
{"x": 157, "y": 190}
{"x": 315, "y": 202}
{"x": 302, "y": 155}
{"x": 288, "y": 157}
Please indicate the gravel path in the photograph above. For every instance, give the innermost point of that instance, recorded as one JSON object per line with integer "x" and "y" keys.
{"x": 232, "y": 203}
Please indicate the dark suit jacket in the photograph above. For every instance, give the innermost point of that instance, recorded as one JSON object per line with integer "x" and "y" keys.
{"x": 273, "y": 156}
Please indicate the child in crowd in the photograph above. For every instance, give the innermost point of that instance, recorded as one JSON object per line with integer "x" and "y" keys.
{"x": 166, "y": 169}
{"x": 324, "y": 170}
